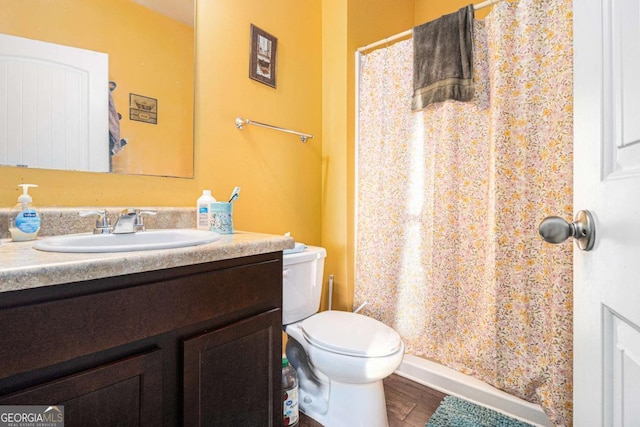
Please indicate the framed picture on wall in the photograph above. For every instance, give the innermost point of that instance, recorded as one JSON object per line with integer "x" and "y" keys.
{"x": 262, "y": 62}
{"x": 143, "y": 109}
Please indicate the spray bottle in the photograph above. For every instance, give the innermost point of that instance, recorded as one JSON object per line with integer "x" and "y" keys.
{"x": 290, "y": 410}
{"x": 24, "y": 221}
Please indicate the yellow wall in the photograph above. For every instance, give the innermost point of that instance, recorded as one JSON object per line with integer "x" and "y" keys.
{"x": 334, "y": 158}
{"x": 280, "y": 176}
{"x": 428, "y": 10}
{"x": 149, "y": 55}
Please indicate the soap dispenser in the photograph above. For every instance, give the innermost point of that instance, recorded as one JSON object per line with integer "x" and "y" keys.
{"x": 24, "y": 221}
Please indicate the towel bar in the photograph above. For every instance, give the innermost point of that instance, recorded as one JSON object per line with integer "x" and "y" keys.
{"x": 240, "y": 122}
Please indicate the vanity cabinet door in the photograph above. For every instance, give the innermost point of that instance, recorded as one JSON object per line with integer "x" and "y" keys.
{"x": 232, "y": 375}
{"x": 127, "y": 392}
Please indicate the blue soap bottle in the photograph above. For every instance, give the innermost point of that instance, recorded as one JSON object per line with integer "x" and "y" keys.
{"x": 24, "y": 220}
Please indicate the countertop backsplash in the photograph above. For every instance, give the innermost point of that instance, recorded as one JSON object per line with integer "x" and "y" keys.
{"x": 58, "y": 221}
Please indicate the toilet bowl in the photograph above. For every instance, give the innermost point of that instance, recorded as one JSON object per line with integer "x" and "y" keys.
{"x": 342, "y": 382}
{"x": 340, "y": 357}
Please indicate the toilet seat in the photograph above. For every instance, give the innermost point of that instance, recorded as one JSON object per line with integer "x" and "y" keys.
{"x": 350, "y": 334}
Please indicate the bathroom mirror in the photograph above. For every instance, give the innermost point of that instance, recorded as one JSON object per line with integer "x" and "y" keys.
{"x": 149, "y": 45}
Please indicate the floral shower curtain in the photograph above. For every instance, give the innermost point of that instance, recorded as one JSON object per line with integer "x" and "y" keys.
{"x": 450, "y": 198}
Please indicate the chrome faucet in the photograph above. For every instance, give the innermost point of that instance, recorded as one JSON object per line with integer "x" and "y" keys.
{"x": 130, "y": 221}
{"x": 103, "y": 226}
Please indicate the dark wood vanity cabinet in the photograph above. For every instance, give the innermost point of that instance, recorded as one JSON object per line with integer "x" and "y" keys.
{"x": 241, "y": 353}
{"x": 194, "y": 346}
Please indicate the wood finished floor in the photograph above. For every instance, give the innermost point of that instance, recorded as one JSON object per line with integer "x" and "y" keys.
{"x": 409, "y": 404}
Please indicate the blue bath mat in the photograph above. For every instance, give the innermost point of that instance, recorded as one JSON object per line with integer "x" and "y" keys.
{"x": 455, "y": 412}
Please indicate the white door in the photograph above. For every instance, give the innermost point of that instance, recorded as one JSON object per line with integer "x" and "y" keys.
{"x": 54, "y": 106}
{"x": 607, "y": 182}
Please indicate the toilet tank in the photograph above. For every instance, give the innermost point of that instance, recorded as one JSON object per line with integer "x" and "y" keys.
{"x": 302, "y": 283}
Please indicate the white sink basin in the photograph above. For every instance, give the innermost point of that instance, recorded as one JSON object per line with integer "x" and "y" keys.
{"x": 140, "y": 241}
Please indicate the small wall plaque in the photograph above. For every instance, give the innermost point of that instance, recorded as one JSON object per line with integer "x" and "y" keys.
{"x": 143, "y": 109}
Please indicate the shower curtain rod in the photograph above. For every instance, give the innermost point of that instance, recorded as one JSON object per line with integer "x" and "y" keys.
{"x": 410, "y": 32}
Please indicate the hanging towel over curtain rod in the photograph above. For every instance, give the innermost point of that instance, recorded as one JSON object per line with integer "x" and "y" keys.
{"x": 409, "y": 32}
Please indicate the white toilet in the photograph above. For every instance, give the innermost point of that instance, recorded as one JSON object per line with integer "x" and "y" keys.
{"x": 340, "y": 357}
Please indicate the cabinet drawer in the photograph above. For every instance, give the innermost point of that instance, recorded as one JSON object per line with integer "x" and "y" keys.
{"x": 44, "y": 334}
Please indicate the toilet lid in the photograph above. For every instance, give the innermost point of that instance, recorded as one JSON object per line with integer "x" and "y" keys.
{"x": 350, "y": 334}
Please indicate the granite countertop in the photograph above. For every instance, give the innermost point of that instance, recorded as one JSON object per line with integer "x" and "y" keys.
{"x": 23, "y": 267}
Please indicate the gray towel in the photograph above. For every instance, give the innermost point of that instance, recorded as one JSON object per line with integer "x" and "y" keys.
{"x": 443, "y": 59}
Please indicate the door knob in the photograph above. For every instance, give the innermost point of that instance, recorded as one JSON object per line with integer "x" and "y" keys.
{"x": 555, "y": 229}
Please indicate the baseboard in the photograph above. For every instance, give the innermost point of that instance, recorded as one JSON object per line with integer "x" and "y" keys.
{"x": 454, "y": 383}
